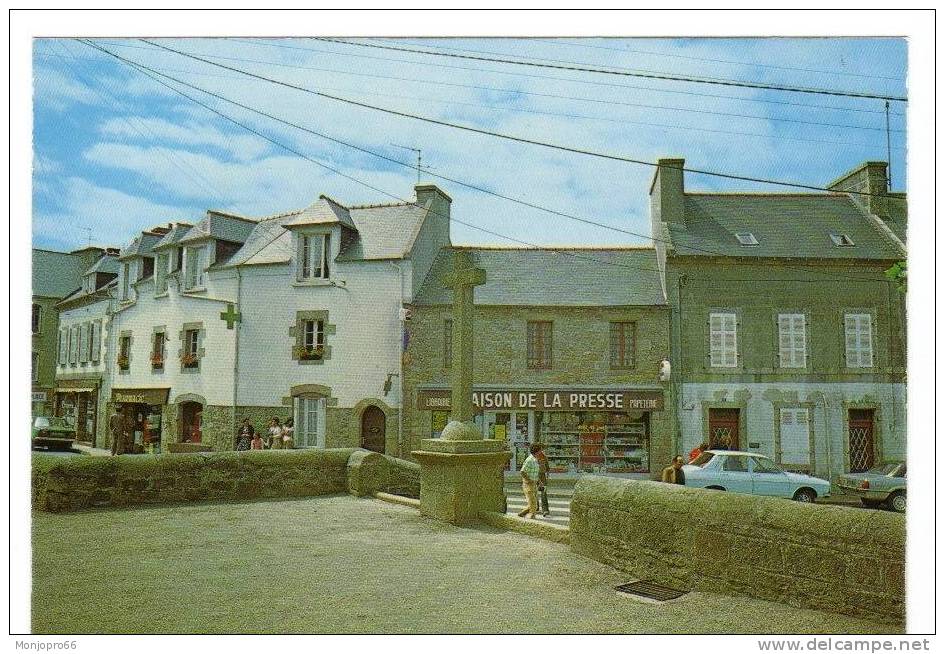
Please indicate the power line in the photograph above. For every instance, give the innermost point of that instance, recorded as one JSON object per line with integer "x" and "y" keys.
{"x": 142, "y": 68}
{"x": 414, "y": 62}
{"x": 607, "y": 71}
{"x": 509, "y": 137}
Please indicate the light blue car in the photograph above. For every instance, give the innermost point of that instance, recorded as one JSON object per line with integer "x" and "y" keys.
{"x": 751, "y": 473}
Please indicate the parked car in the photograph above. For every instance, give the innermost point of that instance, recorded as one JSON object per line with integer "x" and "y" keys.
{"x": 752, "y": 473}
{"x": 52, "y": 433}
{"x": 883, "y": 485}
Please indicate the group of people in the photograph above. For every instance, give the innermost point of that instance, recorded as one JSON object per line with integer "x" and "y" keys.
{"x": 279, "y": 436}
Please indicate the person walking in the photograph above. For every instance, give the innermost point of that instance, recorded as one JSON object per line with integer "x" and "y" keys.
{"x": 116, "y": 433}
{"x": 530, "y": 470}
{"x": 288, "y": 434}
{"x": 275, "y": 434}
{"x": 673, "y": 474}
{"x": 244, "y": 436}
{"x": 542, "y": 479}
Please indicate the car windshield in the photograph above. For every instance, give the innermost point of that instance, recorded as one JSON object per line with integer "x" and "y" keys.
{"x": 702, "y": 459}
{"x": 884, "y": 469}
{"x": 765, "y": 465}
{"x": 41, "y": 423}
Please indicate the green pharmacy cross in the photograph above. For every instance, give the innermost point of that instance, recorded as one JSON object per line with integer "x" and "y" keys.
{"x": 231, "y": 316}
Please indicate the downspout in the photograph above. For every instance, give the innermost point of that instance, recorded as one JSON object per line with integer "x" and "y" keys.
{"x": 236, "y": 348}
{"x": 400, "y": 421}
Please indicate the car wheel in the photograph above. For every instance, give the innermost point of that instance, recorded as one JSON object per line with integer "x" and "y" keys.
{"x": 805, "y": 495}
{"x": 897, "y": 502}
{"x": 870, "y": 504}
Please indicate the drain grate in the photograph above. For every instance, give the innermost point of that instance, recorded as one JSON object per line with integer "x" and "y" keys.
{"x": 652, "y": 591}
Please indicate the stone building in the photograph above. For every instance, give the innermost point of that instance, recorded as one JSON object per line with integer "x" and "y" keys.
{"x": 568, "y": 345}
{"x": 788, "y": 340}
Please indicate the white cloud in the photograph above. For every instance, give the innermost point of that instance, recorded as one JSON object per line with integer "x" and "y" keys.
{"x": 243, "y": 147}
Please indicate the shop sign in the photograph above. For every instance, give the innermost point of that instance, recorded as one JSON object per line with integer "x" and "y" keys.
{"x": 38, "y": 396}
{"x": 548, "y": 400}
{"x": 140, "y": 395}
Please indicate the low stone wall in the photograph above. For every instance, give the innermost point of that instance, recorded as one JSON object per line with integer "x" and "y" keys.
{"x": 370, "y": 472}
{"x": 818, "y": 556}
{"x": 75, "y": 483}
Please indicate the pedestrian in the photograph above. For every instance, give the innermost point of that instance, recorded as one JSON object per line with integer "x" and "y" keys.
{"x": 542, "y": 479}
{"x": 673, "y": 474}
{"x": 244, "y": 435}
{"x": 288, "y": 434}
{"x": 697, "y": 450}
{"x": 275, "y": 434}
{"x": 115, "y": 431}
{"x": 257, "y": 442}
{"x": 530, "y": 470}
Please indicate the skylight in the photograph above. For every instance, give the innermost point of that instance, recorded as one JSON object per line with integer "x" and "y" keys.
{"x": 842, "y": 240}
{"x": 746, "y": 238}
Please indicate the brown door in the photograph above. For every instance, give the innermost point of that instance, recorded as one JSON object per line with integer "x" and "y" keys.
{"x": 723, "y": 429}
{"x": 191, "y": 415}
{"x": 861, "y": 439}
{"x": 373, "y": 429}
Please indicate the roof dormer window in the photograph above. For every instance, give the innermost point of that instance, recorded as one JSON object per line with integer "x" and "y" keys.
{"x": 314, "y": 255}
{"x": 746, "y": 238}
{"x": 842, "y": 240}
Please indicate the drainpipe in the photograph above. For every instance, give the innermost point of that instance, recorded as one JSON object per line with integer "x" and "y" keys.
{"x": 829, "y": 435}
{"x": 400, "y": 421}
{"x": 236, "y": 348}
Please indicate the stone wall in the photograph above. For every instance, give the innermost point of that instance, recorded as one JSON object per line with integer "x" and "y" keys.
{"x": 823, "y": 557}
{"x": 370, "y": 472}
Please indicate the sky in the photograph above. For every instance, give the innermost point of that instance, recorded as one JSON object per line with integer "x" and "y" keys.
{"x": 115, "y": 152}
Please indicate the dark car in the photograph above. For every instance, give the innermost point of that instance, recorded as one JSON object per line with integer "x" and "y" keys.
{"x": 883, "y": 485}
{"x": 52, "y": 433}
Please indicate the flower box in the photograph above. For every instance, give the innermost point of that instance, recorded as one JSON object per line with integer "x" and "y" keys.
{"x": 310, "y": 353}
{"x": 189, "y": 360}
{"x": 123, "y": 362}
{"x": 157, "y": 361}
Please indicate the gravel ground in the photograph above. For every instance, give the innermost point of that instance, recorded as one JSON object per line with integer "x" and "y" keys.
{"x": 340, "y": 564}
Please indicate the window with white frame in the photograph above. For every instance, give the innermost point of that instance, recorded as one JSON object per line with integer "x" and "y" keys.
{"x": 313, "y": 338}
{"x": 193, "y": 268}
{"x": 792, "y": 340}
{"x": 723, "y": 343}
{"x": 160, "y": 273}
{"x": 96, "y": 341}
{"x": 191, "y": 355}
{"x": 314, "y": 255}
{"x": 310, "y": 422}
{"x": 858, "y": 337}
{"x": 795, "y": 436}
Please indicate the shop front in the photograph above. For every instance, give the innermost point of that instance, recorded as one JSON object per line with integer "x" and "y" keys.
{"x": 584, "y": 430}
{"x": 140, "y": 410}
{"x": 76, "y": 401}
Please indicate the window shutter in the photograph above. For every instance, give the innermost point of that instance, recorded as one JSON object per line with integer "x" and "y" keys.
{"x": 96, "y": 340}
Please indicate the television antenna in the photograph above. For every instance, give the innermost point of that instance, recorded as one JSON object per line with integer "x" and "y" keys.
{"x": 419, "y": 154}
{"x": 88, "y": 231}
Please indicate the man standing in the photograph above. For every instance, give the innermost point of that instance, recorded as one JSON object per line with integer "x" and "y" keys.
{"x": 529, "y": 471}
{"x": 673, "y": 474}
{"x": 115, "y": 430}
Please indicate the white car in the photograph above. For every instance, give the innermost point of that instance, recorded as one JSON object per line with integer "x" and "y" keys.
{"x": 755, "y": 474}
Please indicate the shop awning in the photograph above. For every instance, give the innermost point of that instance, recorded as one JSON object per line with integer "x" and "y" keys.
{"x": 567, "y": 399}
{"x": 140, "y": 395}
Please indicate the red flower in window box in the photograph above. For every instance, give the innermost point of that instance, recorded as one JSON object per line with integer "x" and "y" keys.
{"x": 189, "y": 360}
{"x": 123, "y": 362}
{"x": 314, "y": 353}
{"x": 157, "y": 360}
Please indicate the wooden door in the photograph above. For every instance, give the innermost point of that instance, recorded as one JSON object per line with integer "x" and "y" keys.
{"x": 862, "y": 451}
{"x": 373, "y": 429}
{"x": 723, "y": 429}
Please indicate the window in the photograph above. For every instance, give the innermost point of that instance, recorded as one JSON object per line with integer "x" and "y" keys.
{"x": 96, "y": 340}
{"x": 539, "y": 344}
{"x": 309, "y": 422}
{"x": 160, "y": 274}
{"x": 447, "y": 342}
{"x": 314, "y": 255}
{"x": 157, "y": 351}
{"x": 858, "y": 332}
{"x": 124, "y": 353}
{"x": 190, "y": 358}
{"x": 313, "y": 340}
{"x": 35, "y": 369}
{"x": 795, "y": 437}
{"x": 623, "y": 344}
{"x": 84, "y": 342}
{"x": 37, "y": 314}
{"x": 842, "y": 240}
{"x": 735, "y": 464}
{"x": 73, "y": 345}
{"x": 723, "y": 345}
{"x": 746, "y": 238}
{"x": 126, "y": 281}
{"x": 762, "y": 465}
{"x": 792, "y": 340}
{"x": 193, "y": 268}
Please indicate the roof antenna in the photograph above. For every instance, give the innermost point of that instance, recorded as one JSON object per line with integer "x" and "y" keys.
{"x": 89, "y": 231}
{"x": 888, "y": 154}
{"x": 419, "y": 157}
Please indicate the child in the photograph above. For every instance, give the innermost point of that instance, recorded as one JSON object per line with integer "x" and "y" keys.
{"x": 275, "y": 434}
{"x": 288, "y": 434}
{"x": 257, "y": 442}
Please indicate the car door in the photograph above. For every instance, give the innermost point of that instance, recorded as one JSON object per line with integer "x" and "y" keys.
{"x": 768, "y": 479}
{"x": 734, "y": 474}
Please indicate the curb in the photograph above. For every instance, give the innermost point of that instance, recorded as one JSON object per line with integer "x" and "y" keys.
{"x": 534, "y": 528}
{"x": 398, "y": 499}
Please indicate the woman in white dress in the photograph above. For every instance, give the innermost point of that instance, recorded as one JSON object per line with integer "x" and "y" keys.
{"x": 275, "y": 434}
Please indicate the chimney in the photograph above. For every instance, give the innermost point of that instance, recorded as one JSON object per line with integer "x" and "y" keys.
{"x": 869, "y": 177}
{"x": 439, "y": 201}
{"x": 666, "y": 192}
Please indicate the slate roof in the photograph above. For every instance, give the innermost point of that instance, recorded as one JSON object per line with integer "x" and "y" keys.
{"x": 324, "y": 211}
{"x": 786, "y": 225}
{"x": 554, "y": 277}
{"x": 222, "y": 226}
{"x": 898, "y": 210}
{"x": 178, "y": 231}
{"x": 55, "y": 274}
{"x": 141, "y": 245}
{"x": 107, "y": 264}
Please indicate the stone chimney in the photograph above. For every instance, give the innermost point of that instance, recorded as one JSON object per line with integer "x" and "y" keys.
{"x": 432, "y": 193}
{"x": 869, "y": 177}
{"x": 667, "y": 191}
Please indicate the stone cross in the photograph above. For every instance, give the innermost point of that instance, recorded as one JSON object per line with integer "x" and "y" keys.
{"x": 231, "y": 316}
{"x": 463, "y": 279}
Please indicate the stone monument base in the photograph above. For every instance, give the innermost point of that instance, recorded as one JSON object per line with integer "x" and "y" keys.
{"x": 461, "y": 478}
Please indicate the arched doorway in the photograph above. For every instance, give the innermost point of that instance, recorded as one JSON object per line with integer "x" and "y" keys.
{"x": 191, "y": 417}
{"x": 373, "y": 429}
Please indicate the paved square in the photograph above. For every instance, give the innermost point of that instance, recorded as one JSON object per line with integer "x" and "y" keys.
{"x": 340, "y": 564}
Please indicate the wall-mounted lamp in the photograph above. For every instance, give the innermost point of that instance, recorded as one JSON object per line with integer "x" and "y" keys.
{"x": 388, "y": 384}
{"x": 666, "y": 370}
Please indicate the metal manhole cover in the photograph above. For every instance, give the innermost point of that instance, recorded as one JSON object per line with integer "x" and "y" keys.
{"x": 649, "y": 590}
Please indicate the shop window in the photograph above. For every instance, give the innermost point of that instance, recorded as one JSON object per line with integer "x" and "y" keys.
{"x": 157, "y": 351}
{"x": 190, "y": 358}
{"x": 595, "y": 442}
{"x": 792, "y": 340}
{"x": 723, "y": 344}
{"x": 623, "y": 341}
{"x": 124, "y": 353}
{"x": 447, "y": 342}
{"x": 37, "y": 314}
{"x": 539, "y": 344}
{"x": 314, "y": 255}
{"x": 858, "y": 332}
